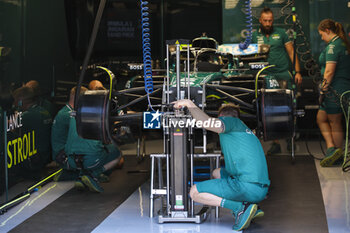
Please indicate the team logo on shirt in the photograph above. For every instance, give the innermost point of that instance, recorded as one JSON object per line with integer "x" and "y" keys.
{"x": 248, "y": 131}
{"x": 331, "y": 49}
{"x": 275, "y": 36}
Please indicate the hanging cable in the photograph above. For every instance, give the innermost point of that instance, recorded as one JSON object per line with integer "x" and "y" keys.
{"x": 346, "y": 163}
{"x": 249, "y": 17}
{"x": 302, "y": 48}
{"x": 302, "y": 45}
{"x": 146, "y": 49}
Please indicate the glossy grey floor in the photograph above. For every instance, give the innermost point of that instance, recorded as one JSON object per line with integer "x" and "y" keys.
{"x": 133, "y": 214}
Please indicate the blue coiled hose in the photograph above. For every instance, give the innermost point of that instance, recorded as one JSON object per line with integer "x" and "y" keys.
{"x": 249, "y": 22}
{"x": 146, "y": 47}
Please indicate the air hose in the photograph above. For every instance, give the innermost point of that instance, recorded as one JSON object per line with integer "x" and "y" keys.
{"x": 302, "y": 47}
{"x": 146, "y": 49}
{"x": 249, "y": 17}
{"x": 346, "y": 163}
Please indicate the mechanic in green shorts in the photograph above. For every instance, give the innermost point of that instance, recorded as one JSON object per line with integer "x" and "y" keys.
{"x": 244, "y": 181}
{"x": 335, "y": 68}
{"x": 280, "y": 55}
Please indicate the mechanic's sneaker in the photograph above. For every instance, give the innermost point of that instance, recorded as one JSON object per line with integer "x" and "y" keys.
{"x": 79, "y": 185}
{"x": 332, "y": 155}
{"x": 339, "y": 162}
{"x": 92, "y": 184}
{"x": 259, "y": 213}
{"x": 244, "y": 217}
{"x": 274, "y": 149}
{"x": 102, "y": 178}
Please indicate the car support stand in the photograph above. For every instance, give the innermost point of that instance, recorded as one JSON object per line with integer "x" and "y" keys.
{"x": 179, "y": 155}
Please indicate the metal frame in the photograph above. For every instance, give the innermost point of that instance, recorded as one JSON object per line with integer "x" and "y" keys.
{"x": 178, "y": 149}
{"x": 176, "y": 216}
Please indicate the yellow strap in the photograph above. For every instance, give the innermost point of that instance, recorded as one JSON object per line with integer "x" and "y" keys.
{"x": 42, "y": 181}
{"x": 18, "y": 199}
{"x": 111, "y": 76}
{"x": 257, "y": 76}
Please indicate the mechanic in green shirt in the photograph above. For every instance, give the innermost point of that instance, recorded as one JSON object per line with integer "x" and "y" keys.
{"x": 59, "y": 134}
{"x": 96, "y": 157}
{"x": 36, "y": 123}
{"x": 82, "y": 160}
{"x": 97, "y": 85}
{"x": 40, "y": 99}
{"x": 335, "y": 68}
{"x": 281, "y": 56}
{"x": 244, "y": 181}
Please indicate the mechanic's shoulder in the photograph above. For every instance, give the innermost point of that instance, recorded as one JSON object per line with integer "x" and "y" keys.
{"x": 276, "y": 28}
{"x": 279, "y": 30}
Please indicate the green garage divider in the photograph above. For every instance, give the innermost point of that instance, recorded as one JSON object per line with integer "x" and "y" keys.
{"x": 3, "y": 162}
{"x": 34, "y": 46}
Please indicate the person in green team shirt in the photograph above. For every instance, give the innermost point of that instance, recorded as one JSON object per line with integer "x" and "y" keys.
{"x": 36, "y": 122}
{"x": 244, "y": 181}
{"x": 97, "y": 85}
{"x": 83, "y": 160}
{"x": 280, "y": 55}
{"x": 59, "y": 134}
{"x": 40, "y": 99}
{"x": 335, "y": 68}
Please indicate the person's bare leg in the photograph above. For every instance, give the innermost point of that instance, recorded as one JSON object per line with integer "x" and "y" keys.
{"x": 216, "y": 173}
{"x": 111, "y": 164}
{"x": 204, "y": 198}
{"x": 335, "y": 121}
{"x": 325, "y": 128}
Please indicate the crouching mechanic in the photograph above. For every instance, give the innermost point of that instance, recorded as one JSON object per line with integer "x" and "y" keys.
{"x": 244, "y": 181}
{"x": 59, "y": 134}
{"x": 91, "y": 156}
{"x": 85, "y": 161}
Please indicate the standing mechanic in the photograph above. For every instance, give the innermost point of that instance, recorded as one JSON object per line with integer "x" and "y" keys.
{"x": 281, "y": 55}
{"x": 335, "y": 68}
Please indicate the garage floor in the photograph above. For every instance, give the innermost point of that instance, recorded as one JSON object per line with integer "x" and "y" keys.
{"x": 303, "y": 198}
